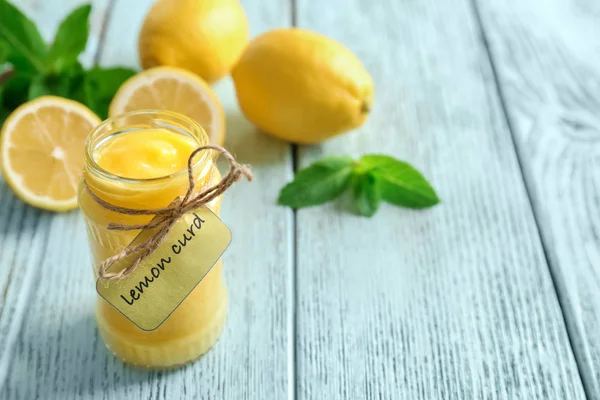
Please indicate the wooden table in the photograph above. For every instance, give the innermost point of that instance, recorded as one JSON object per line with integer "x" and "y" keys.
{"x": 494, "y": 294}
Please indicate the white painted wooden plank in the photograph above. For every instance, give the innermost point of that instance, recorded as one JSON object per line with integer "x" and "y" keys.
{"x": 453, "y": 302}
{"x": 24, "y": 231}
{"x": 59, "y": 340}
{"x": 23, "y": 235}
{"x": 547, "y": 57}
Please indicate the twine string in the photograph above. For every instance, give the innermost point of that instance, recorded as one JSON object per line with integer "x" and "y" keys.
{"x": 167, "y": 216}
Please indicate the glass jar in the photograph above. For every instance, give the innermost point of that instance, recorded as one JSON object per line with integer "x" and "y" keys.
{"x": 194, "y": 327}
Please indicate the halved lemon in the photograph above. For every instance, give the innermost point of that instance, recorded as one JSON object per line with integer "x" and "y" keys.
{"x": 42, "y": 149}
{"x": 173, "y": 89}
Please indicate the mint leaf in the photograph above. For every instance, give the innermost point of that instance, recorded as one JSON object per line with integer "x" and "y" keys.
{"x": 320, "y": 182}
{"x": 367, "y": 196}
{"x": 4, "y": 112}
{"x": 399, "y": 182}
{"x": 70, "y": 40}
{"x": 26, "y": 48}
{"x": 374, "y": 177}
{"x": 73, "y": 82}
{"x": 32, "y": 70}
{"x": 100, "y": 86}
{"x": 38, "y": 88}
{"x": 21, "y": 63}
{"x": 3, "y": 115}
{"x": 68, "y": 84}
{"x": 15, "y": 89}
{"x": 3, "y": 53}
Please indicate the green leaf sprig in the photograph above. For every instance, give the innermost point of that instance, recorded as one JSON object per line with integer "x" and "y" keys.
{"x": 30, "y": 68}
{"x": 373, "y": 178}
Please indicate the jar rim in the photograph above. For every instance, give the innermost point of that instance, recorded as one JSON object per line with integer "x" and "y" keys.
{"x": 168, "y": 118}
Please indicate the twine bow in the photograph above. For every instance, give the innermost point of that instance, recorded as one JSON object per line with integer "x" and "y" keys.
{"x": 167, "y": 216}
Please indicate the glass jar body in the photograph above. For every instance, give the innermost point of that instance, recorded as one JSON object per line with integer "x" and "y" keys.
{"x": 193, "y": 328}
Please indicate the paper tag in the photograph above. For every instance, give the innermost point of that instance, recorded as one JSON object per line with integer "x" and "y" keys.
{"x": 166, "y": 277}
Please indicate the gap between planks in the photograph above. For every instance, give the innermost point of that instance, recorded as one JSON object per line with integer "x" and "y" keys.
{"x": 294, "y": 275}
{"x": 102, "y": 36}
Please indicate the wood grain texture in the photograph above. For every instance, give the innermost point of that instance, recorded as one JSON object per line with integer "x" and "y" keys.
{"x": 547, "y": 58}
{"x": 455, "y": 302}
{"x": 24, "y": 231}
{"x": 58, "y": 353}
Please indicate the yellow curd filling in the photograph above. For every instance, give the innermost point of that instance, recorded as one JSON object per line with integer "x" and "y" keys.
{"x": 150, "y": 161}
{"x": 145, "y": 154}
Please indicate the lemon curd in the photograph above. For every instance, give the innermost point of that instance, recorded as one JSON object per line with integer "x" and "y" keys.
{"x": 139, "y": 160}
{"x": 145, "y": 154}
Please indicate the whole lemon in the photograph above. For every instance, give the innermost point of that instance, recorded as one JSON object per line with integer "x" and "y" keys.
{"x": 205, "y": 37}
{"x": 301, "y": 86}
